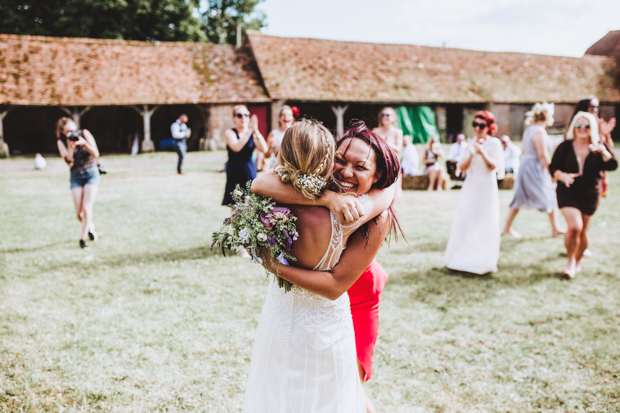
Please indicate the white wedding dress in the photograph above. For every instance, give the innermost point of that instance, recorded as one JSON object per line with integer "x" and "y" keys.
{"x": 304, "y": 358}
{"x": 474, "y": 241}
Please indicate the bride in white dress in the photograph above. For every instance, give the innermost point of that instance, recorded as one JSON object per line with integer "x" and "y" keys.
{"x": 304, "y": 357}
{"x": 475, "y": 237}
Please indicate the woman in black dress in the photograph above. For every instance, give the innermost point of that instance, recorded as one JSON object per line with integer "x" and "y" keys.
{"x": 577, "y": 165}
{"x": 240, "y": 144}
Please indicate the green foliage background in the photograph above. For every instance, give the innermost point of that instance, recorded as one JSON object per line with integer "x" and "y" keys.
{"x": 163, "y": 20}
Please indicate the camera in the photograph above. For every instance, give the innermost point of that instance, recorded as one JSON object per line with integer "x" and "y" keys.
{"x": 75, "y": 135}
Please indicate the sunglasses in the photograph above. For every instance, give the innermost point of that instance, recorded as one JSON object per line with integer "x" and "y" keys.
{"x": 475, "y": 125}
{"x": 592, "y": 107}
{"x": 582, "y": 125}
{"x": 242, "y": 115}
{"x": 385, "y": 115}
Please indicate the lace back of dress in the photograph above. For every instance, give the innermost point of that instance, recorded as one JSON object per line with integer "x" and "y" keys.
{"x": 339, "y": 231}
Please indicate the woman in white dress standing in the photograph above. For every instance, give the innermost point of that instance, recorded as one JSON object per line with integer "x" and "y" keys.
{"x": 533, "y": 186}
{"x": 304, "y": 357}
{"x": 475, "y": 237}
{"x": 394, "y": 137}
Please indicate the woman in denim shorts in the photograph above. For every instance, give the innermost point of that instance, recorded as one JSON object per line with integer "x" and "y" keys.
{"x": 79, "y": 150}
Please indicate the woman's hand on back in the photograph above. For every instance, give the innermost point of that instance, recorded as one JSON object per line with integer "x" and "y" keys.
{"x": 344, "y": 206}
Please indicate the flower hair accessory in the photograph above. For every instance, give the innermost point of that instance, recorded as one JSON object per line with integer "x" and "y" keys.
{"x": 295, "y": 111}
{"x": 311, "y": 182}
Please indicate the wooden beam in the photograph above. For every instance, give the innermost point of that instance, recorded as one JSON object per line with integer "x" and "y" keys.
{"x": 339, "y": 112}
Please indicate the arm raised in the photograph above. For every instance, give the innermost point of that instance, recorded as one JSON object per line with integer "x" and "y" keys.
{"x": 343, "y": 206}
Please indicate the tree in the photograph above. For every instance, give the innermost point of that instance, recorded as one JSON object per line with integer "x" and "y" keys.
{"x": 226, "y": 21}
{"x": 165, "y": 20}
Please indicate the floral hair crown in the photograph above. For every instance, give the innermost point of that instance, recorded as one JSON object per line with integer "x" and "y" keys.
{"x": 311, "y": 182}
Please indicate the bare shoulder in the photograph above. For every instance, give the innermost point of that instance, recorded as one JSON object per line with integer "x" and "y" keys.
{"x": 311, "y": 215}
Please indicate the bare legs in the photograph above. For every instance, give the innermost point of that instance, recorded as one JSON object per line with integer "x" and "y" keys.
{"x": 512, "y": 213}
{"x": 370, "y": 408}
{"x": 84, "y": 200}
{"x": 434, "y": 176}
{"x": 553, "y": 218}
{"x": 576, "y": 238}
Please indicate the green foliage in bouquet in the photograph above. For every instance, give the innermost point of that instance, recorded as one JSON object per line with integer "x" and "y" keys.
{"x": 257, "y": 224}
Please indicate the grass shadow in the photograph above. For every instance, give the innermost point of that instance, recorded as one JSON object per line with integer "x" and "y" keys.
{"x": 148, "y": 257}
{"x": 28, "y": 249}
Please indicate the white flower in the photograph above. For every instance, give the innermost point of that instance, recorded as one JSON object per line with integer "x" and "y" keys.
{"x": 282, "y": 259}
{"x": 296, "y": 236}
{"x": 243, "y": 234}
{"x": 237, "y": 192}
{"x": 262, "y": 237}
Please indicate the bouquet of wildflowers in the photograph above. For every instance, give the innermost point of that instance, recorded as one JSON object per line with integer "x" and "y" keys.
{"x": 255, "y": 224}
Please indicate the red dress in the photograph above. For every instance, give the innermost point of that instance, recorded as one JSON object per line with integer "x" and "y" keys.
{"x": 365, "y": 296}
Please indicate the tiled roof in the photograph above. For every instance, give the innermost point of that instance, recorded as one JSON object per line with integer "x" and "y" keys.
{"x": 608, "y": 45}
{"x": 38, "y": 70}
{"x": 327, "y": 70}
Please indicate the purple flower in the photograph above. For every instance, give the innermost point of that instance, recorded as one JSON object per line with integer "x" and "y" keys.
{"x": 266, "y": 220}
{"x": 290, "y": 243}
{"x": 271, "y": 241}
{"x": 282, "y": 210}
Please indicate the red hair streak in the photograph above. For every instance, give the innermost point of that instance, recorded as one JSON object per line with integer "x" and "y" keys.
{"x": 489, "y": 119}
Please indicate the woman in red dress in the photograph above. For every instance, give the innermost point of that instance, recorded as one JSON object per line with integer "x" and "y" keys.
{"x": 365, "y": 296}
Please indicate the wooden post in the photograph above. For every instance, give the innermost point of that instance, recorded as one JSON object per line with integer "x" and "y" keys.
{"x": 75, "y": 113}
{"x": 339, "y": 112}
{"x": 238, "y": 40}
{"x": 4, "y": 148}
{"x": 146, "y": 113}
{"x": 206, "y": 143}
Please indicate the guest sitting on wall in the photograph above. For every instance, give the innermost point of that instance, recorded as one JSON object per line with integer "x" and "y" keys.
{"x": 512, "y": 155}
{"x": 454, "y": 156}
{"x": 410, "y": 163}
{"x": 433, "y": 170}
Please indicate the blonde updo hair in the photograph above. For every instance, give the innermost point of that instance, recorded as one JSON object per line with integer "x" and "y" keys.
{"x": 541, "y": 112}
{"x": 307, "y": 155}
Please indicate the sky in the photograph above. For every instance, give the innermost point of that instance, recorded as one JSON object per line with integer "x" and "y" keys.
{"x": 554, "y": 27}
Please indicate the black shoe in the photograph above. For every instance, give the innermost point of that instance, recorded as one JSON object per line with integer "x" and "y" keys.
{"x": 91, "y": 233}
{"x": 83, "y": 245}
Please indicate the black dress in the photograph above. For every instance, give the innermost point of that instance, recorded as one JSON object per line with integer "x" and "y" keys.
{"x": 240, "y": 168}
{"x": 583, "y": 194}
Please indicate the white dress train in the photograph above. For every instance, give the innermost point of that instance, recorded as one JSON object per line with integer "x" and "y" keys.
{"x": 304, "y": 358}
{"x": 475, "y": 237}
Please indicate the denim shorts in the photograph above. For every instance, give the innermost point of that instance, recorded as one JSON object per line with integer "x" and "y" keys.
{"x": 86, "y": 177}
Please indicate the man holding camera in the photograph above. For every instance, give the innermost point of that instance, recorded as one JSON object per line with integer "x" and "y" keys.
{"x": 180, "y": 133}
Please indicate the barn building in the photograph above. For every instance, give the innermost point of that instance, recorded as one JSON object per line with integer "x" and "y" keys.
{"x": 128, "y": 90}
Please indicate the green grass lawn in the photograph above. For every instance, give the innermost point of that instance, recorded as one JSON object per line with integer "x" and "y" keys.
{"x": 150, "y": 320}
